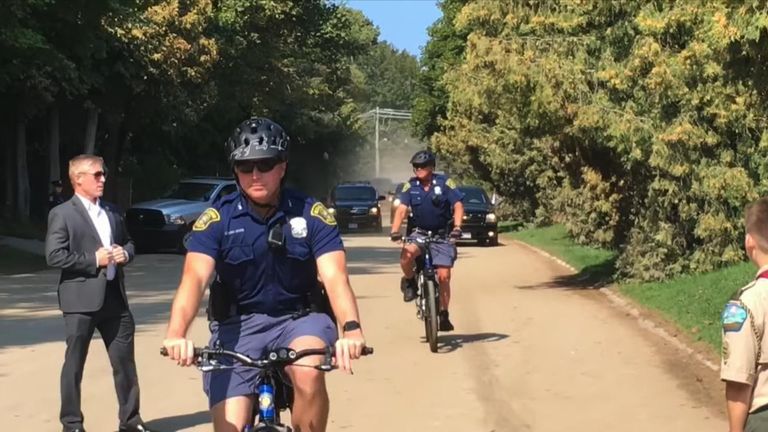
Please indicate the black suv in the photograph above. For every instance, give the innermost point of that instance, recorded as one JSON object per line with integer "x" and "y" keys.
{"x": 479, "y": 219}
{"x": 356, "y": 206}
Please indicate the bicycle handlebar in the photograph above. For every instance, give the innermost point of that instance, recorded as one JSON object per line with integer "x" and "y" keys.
{"x": 278, "y": 357}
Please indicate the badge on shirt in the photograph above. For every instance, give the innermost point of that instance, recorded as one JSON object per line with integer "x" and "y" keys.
{"x": 438, "y": 190}
{"x": 208, "y": 217}
{"x": 319, "y": 211}
{"x": 450, "y": 183}
{"x": 298, "y": 227}
{"x": 734, "y": 316}
{"x": 406, "y": 186}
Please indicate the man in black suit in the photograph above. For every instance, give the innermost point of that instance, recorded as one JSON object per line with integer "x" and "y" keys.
{"x": 88, "y": 241}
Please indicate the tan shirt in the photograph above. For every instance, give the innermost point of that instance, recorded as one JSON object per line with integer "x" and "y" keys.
{"x": 744, "y": 358}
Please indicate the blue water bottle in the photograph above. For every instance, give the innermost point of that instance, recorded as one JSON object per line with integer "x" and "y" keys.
{"x": 266, "y": 403}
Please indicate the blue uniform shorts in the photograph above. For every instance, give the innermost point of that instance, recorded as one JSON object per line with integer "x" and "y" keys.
{"x": 255, "y": 335}
{"x": 443, "y": 254}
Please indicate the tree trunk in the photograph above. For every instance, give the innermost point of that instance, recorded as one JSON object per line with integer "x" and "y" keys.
{"x": 113, "y": 123}
{"x": 10, "y": 177}
{"x": 54, "y": 143}
{"x": 22, "y": 177}
{"x": 92, "y": 124}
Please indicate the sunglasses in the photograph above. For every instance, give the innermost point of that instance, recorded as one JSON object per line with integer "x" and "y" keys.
{"x": 261, "y": 165}
{"x": 421, "y": 166}
{"x": 96, "y": 175}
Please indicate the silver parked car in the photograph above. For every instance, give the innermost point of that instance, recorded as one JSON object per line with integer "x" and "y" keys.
{"x": 164, "y": 222}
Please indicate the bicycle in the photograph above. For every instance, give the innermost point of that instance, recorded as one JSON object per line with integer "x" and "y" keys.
{"x": 275, "y": 391}
{"x": 427, "y": 288}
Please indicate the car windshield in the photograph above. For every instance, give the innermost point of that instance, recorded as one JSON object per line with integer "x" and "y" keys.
{"x": 474, "y": 196}
{"x": 192, "y": 191}
{"x": 355, "y": 193}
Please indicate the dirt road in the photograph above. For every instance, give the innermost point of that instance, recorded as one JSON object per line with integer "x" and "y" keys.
{"x": 528, "y": 354}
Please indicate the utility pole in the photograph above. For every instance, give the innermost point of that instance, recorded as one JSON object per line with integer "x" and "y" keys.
{"x": 387, "y": 114}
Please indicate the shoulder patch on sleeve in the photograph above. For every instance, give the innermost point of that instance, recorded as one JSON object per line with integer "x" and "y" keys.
{"x": 734, "y": 316}
{"x": 319, "y": 211}
{"x": 209, "y": 216}
{"x": 450, "y": 183}
{"x": 406, "y": 186}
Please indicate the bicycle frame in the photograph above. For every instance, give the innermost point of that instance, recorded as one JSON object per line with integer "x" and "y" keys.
{"x": 271, "y": 398}
{"x": 428, "y": 293}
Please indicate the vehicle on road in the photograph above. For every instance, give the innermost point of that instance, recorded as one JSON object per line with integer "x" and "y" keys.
{"x": 164, "y": 222}
{"x": 480, "y": 222}
{"x": 355, "y": 205}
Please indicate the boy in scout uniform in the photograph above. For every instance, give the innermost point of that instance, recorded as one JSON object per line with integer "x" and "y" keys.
{"x": 744, "y": 366}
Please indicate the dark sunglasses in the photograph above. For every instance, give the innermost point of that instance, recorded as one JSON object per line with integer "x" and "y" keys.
{"x": 421, "y": 166}
{"x": 97, "y": 175}
{"x": 261, "y": 165}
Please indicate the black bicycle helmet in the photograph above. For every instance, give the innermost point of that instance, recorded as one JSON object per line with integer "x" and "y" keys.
{"x": 258, "y": 138}
{"x": 422, "y": 157}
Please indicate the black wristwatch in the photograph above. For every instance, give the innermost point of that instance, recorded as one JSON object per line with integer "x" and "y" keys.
{"x": 350, "y": 325}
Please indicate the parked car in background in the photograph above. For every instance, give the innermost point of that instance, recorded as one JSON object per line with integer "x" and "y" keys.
{"x": 164, "y": 222}
{"x": 394, "y": 203}
{"x": 480, "y": 222}
{"x": 356, "y": 206}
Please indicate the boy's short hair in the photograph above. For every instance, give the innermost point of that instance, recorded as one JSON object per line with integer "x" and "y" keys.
{"x": 756, "y": 222}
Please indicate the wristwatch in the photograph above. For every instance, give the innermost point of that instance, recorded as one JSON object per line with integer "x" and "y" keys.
{"x": 350, "y": 325}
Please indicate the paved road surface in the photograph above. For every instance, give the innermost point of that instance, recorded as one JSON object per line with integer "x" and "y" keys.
{"x": 530, "y": 353}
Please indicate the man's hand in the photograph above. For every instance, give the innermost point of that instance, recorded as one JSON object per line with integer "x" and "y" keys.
{"x": 181, "y": 350}
{"x": 455, "y": 233}
{"x": 349, "y": 347}
{"x": 396, "y": 237}
{"x": 103, "y": 256}
{"x": 119, "y": 255}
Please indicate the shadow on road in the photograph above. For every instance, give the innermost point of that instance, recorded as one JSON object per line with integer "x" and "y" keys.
{"x": 451, "y": 342}
{"x": 182, "y": 421}
{"x": 590, "y": 277}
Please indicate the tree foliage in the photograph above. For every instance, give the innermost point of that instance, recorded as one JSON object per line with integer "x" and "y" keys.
{"x": 640, "y": 125}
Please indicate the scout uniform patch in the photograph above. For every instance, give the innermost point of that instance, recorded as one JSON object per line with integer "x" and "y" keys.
{"x": 734, "y": 316}
{"x": 319, "y": 211}
{"x": 208, "y": 217}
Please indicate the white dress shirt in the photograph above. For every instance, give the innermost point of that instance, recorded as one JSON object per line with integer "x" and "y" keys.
{"x": 101, "y": 221}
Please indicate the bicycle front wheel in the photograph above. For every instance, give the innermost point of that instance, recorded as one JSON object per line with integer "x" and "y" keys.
{"x": 430, "y": 313}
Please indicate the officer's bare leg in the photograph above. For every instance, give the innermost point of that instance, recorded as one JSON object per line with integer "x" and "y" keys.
{"x": 310, "y": 397}
{"x": 444, "y": 280}
{"x": 231, "y": 415}
{"x": 407, "y": 257}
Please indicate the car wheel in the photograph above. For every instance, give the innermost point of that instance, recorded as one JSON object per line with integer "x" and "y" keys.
{"x": 493, "y": 242}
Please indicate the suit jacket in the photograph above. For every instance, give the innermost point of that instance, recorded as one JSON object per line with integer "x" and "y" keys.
{"x": 70, "y": 245}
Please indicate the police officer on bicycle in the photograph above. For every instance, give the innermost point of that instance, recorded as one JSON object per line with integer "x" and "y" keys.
{"x": 266, "y": 246}
{"x": 436, "y": 206}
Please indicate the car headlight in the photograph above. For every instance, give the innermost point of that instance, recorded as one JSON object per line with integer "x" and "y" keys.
{"x": 374, "y": 211}
{"x": 331, "y": 210}
{"x": 490, "y": 218}
{"x": 396, "y": 202}
{"x": 175, "y": 220}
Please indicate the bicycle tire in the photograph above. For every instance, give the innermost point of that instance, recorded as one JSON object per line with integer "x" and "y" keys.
{"x": 430, "y": 313}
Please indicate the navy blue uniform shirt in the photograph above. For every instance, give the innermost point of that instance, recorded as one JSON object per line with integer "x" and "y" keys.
{"x": 432, "y": 208}
{"x": 266, "y": 279}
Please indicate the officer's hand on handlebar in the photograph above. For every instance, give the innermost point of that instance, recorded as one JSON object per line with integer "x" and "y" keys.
{"x": 180, "y": 350}
{"x": 396, "y": 237}
{"x": 348, "y": 348}
{"x": 455, "y": 233}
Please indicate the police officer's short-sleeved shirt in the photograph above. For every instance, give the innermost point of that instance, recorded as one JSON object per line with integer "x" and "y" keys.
{"x": 267, "y": 279}
{"x": 744, "y": 347}
{"x": 432, "y": 208}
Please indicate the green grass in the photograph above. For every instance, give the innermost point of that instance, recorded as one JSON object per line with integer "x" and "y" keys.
{"x": 595, "y": 266}
{"x": 693, "y": 302}
{"x": 14, "y": 261}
